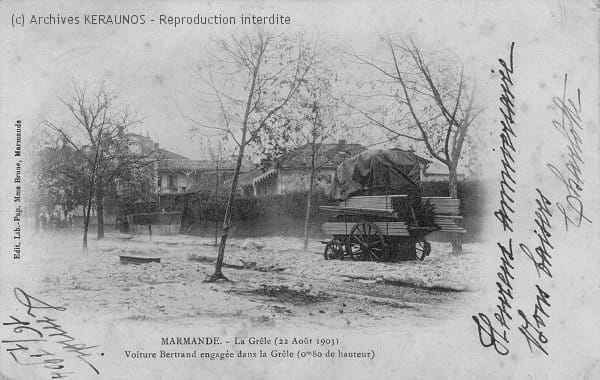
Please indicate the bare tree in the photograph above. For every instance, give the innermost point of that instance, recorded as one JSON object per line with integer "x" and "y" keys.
{"x": 119, "y": 169}
{"x": 59, "y": 179}
{"x": 267, "y": 69}
{"x": 427, "y": 99}
{"x": 95, "y": 121}
{"x": 318, "y": 132}
{"x": 315, "y": 119}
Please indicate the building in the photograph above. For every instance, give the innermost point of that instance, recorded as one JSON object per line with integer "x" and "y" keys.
{"x": 174, "y": 173}
{"x": 291, "y": 172}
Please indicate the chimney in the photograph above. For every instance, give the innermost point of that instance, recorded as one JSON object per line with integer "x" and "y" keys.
{"x": 341, "y": 145}
{"x": 121, "y": 132}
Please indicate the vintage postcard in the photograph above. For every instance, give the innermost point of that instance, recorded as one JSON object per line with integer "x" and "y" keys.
{"x": 300, "y": 190}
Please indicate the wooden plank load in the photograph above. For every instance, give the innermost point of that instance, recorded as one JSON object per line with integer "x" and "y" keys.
{"x": 361, "y": 211}
{"x": 448, "y": 223}
{"x": 379, "y": 202}
{"x": 387, "y": 228}
{"x": 443, "y": 205}
{"x": 447, "y": 213}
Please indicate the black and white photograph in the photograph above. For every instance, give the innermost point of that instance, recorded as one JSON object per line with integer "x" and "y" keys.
{"x": 300, "y": 189}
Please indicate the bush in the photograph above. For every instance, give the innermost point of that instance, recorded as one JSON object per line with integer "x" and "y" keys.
{"x": 271, "y": 215}
{"x": 281, "y": 214}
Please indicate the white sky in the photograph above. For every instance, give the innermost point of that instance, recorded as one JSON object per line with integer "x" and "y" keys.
{"x": 150, "y": 65}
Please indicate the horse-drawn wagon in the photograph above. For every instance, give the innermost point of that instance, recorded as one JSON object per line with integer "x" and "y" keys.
{"x": 380, "y": 214}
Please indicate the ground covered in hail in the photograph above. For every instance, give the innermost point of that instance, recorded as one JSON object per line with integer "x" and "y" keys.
{"x": 273, "y": 282}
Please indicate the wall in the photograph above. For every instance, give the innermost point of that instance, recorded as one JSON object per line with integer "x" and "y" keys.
{"x": 157, "y": 229}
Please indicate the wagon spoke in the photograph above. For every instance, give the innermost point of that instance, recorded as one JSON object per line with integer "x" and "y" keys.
{"x": 374, "y": 255}
{"x": 422, "y": 249}
{"x": 366, "y": 242}
{"x": 359, "y": 239}
{"x": 334, "y": 250}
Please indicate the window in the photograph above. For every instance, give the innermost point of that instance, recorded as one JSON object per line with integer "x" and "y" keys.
{"x": 160, "y": 182}
{"x": 172, "y": 181}
{"x": 134, "y": 147}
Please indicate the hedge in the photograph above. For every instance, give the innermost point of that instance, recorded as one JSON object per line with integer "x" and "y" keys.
{"x": 283, "y": 214}
{"x": 253, "y": 216}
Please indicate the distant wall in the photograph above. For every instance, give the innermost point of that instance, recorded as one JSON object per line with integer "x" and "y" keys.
{"x": 156, "y": 229}
{"x": 155, "y": 223}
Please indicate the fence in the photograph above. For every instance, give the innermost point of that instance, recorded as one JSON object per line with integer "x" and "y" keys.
{"x": 152, "y": 223}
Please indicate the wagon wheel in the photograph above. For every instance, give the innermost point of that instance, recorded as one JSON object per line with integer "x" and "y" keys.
{"x": 422, "y": 249}
{"x": 334, "y": 250}
{"x": 366, "y": 243}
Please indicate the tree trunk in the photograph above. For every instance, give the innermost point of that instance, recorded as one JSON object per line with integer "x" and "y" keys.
{"x": 452, "y": 185}
{"x": 453, "y": 189}
{"x": 309, "y": 200}
{"x": 217, "y": 197}
{"x": 37, "y": 219}
{"x": 100, "y": 208}
{"x": 86, "y": 219}
{"x": 89, "y": 205}
{"x": 86, "y": 223}
{"x": 218, "y": 275}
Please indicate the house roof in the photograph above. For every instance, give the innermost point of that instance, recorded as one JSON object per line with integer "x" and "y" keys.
{"x": 212, "y": 165}
{"x": 173, "y": 161}
{"x": 328, "y": 156}
{"x": 141, "y": 137}
{"x": 246, "y": 178}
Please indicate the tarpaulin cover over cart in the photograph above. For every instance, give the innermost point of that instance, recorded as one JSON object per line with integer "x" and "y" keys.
{"x": 372, "y": 172}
